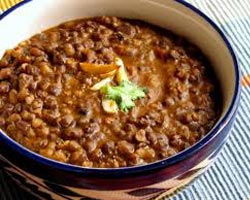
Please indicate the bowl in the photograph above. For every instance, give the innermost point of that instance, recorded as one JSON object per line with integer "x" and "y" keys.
{"x": 50, "y": 179}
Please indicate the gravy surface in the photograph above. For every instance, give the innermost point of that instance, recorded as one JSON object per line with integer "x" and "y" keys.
{"x": 46, "y": 103}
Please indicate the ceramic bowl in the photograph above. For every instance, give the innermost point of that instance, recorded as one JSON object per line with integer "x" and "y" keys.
{"x": 50, "y": 179}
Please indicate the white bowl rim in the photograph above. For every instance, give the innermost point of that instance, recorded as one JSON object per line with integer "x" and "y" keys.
{"x": 125, "y": 171}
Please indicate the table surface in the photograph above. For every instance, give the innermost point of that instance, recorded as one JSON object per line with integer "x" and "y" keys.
{"x": 229, "y": 177}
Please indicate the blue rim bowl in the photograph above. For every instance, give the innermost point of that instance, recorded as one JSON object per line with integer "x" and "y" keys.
{"x": 43, "y": 162}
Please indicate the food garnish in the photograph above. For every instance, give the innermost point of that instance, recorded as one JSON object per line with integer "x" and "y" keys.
{"x": 121, "y": 96}
{"x": 102, "y": 83}
{"x": 124, "y": 94}
{"x": 98, "y": 69}
{"x": 109, "y": 106}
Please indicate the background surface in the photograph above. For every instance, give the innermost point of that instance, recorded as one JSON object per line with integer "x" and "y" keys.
{"x": 229, "y": 177}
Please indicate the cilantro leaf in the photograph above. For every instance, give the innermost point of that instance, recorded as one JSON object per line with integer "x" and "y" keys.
{"x": 124, "y": 94}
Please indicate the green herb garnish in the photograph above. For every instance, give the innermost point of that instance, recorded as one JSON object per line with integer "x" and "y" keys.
{"x": 124, "y": 94}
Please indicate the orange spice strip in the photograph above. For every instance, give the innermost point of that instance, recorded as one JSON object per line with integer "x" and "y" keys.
{"x": 97, "y": 69}
{"x": 109, "y": 74}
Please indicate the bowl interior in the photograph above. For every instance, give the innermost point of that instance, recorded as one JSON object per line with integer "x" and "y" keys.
{"x": 36, "y": 16}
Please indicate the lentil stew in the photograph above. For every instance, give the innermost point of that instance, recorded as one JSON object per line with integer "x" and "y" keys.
{"x": 60, "y": 94}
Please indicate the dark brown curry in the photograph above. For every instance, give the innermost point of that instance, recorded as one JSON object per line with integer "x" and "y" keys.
{"x": 50, "y": 102}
